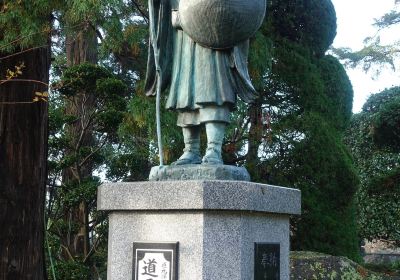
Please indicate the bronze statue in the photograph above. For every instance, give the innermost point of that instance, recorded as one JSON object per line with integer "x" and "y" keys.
{"x": 199, "y": 49}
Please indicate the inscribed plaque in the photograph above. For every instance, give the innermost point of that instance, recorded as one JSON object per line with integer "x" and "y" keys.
{"x": 267, "y": 261}
{"x": 155, "y": 261}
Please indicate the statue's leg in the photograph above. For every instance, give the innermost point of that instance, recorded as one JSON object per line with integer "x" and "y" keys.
{"x": 215, "y": 137}
{"x": 191, "y": 152}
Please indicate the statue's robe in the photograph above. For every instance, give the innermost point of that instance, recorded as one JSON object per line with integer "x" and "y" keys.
{"x": 203, "y": 82}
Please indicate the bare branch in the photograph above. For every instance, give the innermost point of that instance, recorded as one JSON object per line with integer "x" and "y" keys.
{"x": 24, "y": 80}
{"x": 92, "y": 249}
{"x": 24, "y": 51}
{"x": 141, "y": 11}
{"x": 92, "y": 153}
{"x": 68, "y": 252}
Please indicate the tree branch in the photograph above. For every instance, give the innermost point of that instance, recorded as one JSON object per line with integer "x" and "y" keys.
{"x": 92, "y": 153}
{"x": 24, "y": 51}
{"x": 24, "y": 80}
{"x": 143, "y": 13}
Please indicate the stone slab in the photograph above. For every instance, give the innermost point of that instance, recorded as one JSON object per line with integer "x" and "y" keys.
{"x": 212, "y": 245}
{"x": 198, "y": 195}
{"x": 199, "y": 172}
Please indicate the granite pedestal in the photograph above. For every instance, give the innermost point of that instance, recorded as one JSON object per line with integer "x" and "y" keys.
{"x": 216, "y": 223}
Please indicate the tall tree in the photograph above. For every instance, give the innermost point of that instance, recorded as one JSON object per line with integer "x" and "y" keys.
{"x": 310, "y": 99}
{"x": 293, "y": 134}
{"x": 107, "y": 111}
{"x": 79, "y": 22}
{"x": 87, "y": 107}
{"x": 81, "y": 47}
{"x": 24, "y": 70}
{"x": 23, "y": 172}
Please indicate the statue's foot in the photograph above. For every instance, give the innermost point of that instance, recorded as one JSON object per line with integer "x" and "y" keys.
{"x": 188, "y": 158}
{"x": 212, "y": 157}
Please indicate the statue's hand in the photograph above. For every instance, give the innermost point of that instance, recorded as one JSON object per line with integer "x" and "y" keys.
{"x": 176, "y": 21}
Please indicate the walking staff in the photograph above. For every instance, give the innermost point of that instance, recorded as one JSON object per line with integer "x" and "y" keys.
{"x": 154, "y": 32}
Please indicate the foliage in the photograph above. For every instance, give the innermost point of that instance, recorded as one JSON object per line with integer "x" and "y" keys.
{"x": 386, "y": 125}
{"x": 305, "y": 105}
{"x": 311, "y": 23}
{"x": 72, "y": 270}
{"x": 375, "y": 55}
{"x": 90, "y": 103}
{"x": 339, "y": 91}
{"x": 109, "y": 95}
{"x": 27, "y": 24}
{"x": 141, "y": 153}
{"x": 373, "y": 139}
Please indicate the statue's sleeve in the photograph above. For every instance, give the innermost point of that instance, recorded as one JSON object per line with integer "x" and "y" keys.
{"x": 246, "y": 89}
{"x": 163, "y": 23}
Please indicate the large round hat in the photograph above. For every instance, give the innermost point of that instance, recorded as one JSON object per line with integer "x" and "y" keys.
{"x": 221, "y": 24}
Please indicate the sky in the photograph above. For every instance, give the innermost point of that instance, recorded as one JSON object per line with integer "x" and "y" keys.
{"x": 355, "y": 19}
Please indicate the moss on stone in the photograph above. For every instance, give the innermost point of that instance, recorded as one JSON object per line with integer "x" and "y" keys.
{"x": 307, "y": 265}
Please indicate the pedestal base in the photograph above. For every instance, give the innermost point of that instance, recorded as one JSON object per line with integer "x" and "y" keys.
{"x": 216, "y": 223}
{"x": 199, "y": 172}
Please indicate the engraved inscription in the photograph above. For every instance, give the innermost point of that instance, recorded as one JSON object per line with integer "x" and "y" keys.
{"x": 267, "y": 261}
{"x": 155, "y": 261}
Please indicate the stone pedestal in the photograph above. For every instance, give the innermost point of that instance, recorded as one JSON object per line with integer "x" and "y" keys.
{"x": 216, "y": 223}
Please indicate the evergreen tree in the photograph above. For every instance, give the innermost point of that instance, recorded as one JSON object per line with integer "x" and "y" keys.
{"x": 311, "y": 153}
{"x": 109, "y": 96}
{"x": 87, "y": 107}
{"x": 295, "y": 128}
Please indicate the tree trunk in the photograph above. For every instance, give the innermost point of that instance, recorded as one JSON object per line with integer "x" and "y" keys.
{"x": 81, "y": 47}
{"x": 255, "y": 139}
{"x": 23, "y": 166}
